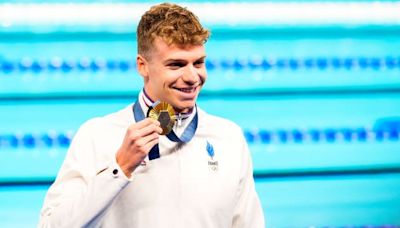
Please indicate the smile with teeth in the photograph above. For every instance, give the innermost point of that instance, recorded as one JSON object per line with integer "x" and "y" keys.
{"x": 186, "y": 90}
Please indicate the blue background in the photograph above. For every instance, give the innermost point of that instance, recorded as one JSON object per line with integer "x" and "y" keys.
{"x": 319, "y": 106}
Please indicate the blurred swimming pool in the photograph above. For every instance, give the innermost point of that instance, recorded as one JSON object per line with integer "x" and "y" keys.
{"x": 319, "y": 106}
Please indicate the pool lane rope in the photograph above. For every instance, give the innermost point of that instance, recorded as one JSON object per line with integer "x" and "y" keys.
{"x": 98, "y": 65}
{"x": 253, "y": 136}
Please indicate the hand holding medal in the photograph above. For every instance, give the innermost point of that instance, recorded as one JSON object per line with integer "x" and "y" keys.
{"x": 164, "y": 114}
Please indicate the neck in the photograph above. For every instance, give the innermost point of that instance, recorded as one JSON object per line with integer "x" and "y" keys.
{"x": 148, "y": 100}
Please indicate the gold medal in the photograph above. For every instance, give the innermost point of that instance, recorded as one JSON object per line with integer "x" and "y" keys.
{"x": 165, "y": 114}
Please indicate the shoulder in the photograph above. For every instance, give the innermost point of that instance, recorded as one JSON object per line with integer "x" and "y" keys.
{"x": 120, "y": 119}
{"x": 219, "y": 125}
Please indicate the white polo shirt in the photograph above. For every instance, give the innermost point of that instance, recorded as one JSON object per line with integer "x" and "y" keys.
{"x": 183, "y": 188}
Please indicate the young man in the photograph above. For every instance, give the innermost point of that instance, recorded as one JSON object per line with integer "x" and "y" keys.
{"x": 120, "y": 172}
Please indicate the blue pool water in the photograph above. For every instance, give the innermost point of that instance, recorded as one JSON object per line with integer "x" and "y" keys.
{"x": 319, "y": 107}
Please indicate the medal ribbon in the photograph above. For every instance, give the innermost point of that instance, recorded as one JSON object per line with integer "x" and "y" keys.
{"x": 186, "y": 136}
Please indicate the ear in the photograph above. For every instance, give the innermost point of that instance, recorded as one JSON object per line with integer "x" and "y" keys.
{"x": 142, "y": 66}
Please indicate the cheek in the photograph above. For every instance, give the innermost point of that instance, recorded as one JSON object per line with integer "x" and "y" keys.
{"x": 169, "y": 78}
{"x": 164, "y": 76}
{"x": 203, "y": 75}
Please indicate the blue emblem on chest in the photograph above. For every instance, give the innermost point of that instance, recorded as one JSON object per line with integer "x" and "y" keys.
{"x": 210, "y": 150}
{"x": 211, "y": 163}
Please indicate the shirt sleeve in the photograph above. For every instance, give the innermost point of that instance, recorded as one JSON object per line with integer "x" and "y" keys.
{"x": 82, "y": 192}
{"x": 248, "y": 212}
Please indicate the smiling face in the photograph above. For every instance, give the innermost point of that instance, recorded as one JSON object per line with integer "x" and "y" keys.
{"x": 174, "y": 74}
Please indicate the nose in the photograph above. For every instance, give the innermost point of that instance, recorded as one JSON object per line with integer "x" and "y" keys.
{"x": 191, "y": 76}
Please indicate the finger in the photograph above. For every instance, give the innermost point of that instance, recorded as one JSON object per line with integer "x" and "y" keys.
{"x": 145, "y": 147}
{"x": 150, "y": 145}
{"x": 142, "y": 142}
{"x": 145, "y": 122}
{"x": 159, "y": 130}
{"x": 149, "y": 129}
{"x": 156, "y": 122}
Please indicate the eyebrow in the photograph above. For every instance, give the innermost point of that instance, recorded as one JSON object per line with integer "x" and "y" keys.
{"x": 182, "y": 60}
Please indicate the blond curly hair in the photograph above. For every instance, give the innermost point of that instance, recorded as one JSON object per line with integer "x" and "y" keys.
{"x": 172, "y": 23}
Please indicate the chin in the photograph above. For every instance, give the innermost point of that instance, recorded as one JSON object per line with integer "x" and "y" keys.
{"x": 183, "y": 106}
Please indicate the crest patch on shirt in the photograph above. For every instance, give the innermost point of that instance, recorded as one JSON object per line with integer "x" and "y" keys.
{"x": 213, "y": 164}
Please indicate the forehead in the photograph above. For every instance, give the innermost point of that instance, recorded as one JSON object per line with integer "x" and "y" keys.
{"x": 161, "y": 50}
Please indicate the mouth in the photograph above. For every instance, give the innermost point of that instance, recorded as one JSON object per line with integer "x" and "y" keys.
{"x": 187, "y": 89}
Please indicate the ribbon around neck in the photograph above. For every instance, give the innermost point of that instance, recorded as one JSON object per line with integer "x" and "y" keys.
{"x": 186, "y": 136}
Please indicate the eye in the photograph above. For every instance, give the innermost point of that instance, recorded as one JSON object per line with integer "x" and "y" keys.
{"x": 199, "y": 63}
{"x": 175, "y": 65}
